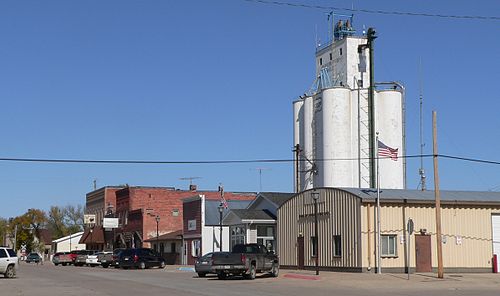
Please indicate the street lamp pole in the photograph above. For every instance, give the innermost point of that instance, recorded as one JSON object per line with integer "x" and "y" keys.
{"x": 157, "y": 234}
{"x": 221, "y": 210}
{"x": 315, "y": 196}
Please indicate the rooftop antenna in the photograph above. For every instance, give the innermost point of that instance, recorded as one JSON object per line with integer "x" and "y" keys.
{"x": 190, "y": 179}
{"x": 260, "y": 176}
{"x": 95, "y": 183}
{"x": 421, "y": 171}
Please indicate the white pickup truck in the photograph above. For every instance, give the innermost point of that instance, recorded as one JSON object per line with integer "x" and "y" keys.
{"x": 8, "y": 262}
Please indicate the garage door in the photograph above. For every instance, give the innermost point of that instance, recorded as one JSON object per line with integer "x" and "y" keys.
{"x": 495, "y": 223}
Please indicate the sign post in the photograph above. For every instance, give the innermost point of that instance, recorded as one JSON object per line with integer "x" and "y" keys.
{"x": 409, "y": 228}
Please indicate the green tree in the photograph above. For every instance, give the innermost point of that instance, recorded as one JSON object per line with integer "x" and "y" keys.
{"x": 56, "y": 222}
{"x": 3, "y": 230}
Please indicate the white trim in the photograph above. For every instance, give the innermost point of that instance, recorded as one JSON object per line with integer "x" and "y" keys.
{"x": 68, "y": 237}
{"x": 258, "y": 221}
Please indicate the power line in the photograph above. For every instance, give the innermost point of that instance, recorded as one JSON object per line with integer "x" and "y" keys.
{"x": 385, "y": 12}
{"x": 234, "y": 161}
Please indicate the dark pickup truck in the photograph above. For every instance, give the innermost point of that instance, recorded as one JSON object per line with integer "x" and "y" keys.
{"x": 245, "y": 260}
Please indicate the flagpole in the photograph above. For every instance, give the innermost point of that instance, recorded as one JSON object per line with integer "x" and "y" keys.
{"x": 379, "y": 262}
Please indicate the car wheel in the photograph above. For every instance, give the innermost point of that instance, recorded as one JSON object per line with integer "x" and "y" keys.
{"x": 63, "y": 264}
{"x": 251, "y": 273}
{"x": 222, "y": 276}
{"x": 201, "y": 274}
{"x": 162, "y": 264}
{"x": 105, "y": 266}
{"x": 275, "y": 270}
{"x": 10, "y": 272}
{"x": 142, "y": 265}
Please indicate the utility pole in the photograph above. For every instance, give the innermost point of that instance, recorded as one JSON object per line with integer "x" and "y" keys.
{"x": 297, "y": 151}
{"x": 438, "y": 198}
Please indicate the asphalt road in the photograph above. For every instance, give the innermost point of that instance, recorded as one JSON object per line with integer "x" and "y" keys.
{"x": 49, "y": 280}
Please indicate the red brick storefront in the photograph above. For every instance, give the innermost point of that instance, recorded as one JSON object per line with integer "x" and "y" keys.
{"x": 138, "y": 207}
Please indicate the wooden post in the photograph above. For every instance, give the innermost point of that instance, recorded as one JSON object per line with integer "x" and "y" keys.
{"x": 438, "y": 198}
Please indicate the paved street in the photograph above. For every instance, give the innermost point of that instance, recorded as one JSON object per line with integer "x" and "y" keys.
{"x": 45, "y": 280}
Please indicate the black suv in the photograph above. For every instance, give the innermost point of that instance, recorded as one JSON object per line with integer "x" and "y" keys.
{"x": 140, "y": 258}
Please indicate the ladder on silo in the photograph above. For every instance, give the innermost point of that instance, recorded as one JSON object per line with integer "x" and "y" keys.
{"x": 364, "y": 140}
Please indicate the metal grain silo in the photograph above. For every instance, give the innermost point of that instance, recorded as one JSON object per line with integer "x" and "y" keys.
{"x": 389, "y": 123}
{"x": 298, "y": 136}
{"x": 308, "y": 110}
{"x": 334, "y": 138}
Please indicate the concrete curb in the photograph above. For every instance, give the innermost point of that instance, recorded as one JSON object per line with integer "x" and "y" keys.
{"x": 302, "y": 276}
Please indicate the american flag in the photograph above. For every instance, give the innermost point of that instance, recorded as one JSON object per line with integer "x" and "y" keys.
{"x": 223, "y": 201}
{"x": 386, "y": 151}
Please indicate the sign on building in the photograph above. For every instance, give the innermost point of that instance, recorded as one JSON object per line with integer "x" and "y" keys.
{"x": 89, "y": 219}
{"x": 192, "y": 224}
{"x": 110, "y": 223}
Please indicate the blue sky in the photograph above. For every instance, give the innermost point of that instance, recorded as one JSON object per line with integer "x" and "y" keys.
{"x": 215, "y": 80}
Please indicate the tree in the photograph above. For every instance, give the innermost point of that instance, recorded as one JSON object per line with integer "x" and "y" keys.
{"x": 3, "y": 231}
{"x": 56, "y": 222}
{"x": 74, "y": 218}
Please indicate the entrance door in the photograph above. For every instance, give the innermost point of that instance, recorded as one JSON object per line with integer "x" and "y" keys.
{"x": 423, "y": 253}
{"x": 495, "y": 224}
{"x": 300, "y": 252}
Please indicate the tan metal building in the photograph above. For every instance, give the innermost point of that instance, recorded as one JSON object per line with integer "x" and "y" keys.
{"x": 347, "y": 236}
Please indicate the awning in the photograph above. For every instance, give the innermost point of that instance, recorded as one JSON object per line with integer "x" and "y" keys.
{"x": 93, "y": 236}
{"x": 174, "y": 235}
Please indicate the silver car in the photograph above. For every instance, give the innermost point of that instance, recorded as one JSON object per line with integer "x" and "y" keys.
{"x": 203, "y": 265}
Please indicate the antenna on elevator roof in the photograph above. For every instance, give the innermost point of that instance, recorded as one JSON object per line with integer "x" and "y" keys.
{"x": 421, "y": 171}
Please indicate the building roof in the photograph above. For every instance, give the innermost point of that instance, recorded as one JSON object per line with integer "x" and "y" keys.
{"x": 245, "y": 214}
{"x": 45, "y": 236}
{"x": 174, "y": 235}
{"x": 428, "y": 195}
{"x": 278, "y": 198}
{"x": 74, "y": 235}
{"x": 212, "y": 211}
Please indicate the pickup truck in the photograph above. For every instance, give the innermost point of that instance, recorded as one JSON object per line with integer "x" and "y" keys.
{"x": 109, "y": 258}
{"x": 246, "y": 260}
{"x": 69, "y": 258}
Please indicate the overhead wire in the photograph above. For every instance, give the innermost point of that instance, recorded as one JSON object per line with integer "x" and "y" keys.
{"x": 233, "y": 161}
{"x": 385, "y": 12}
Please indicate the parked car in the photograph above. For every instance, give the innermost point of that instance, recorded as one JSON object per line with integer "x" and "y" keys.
{"x": 8, "y": 262}
{"x": 33, "y": 257}
{"x": 246, "y": 260}
{"x": 92, "y": 259}
{"x": 203, "y": 265}
{"x": 69, "y": 258}
{"x": 109, "y": 258}
{"x": 140, "y": 258}
{"x": 55, "y": 258}
{"x": 81, "y": 259}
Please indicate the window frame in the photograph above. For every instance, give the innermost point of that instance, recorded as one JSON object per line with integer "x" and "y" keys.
{"x": 385, "y": 239}
{"x": 337, "y": 246}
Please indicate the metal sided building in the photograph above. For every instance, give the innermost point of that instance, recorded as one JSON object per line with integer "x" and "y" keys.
{"x": 347, "y": 236}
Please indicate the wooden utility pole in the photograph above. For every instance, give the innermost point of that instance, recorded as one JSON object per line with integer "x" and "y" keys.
{"x": 438, "y": 198}
{"x": 297, "y": 151}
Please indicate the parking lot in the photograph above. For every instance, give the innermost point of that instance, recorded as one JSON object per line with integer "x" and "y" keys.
{"x": 47, "y": 279}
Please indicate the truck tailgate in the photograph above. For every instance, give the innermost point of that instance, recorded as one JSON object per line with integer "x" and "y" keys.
{"x": 227, "y": 259}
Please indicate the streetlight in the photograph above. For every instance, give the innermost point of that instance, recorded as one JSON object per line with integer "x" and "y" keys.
{"x": 110, "y": 214}
{"x": 91, "y": 238}
{"x": 315, "y": 196}
{"x": 157, "y": 236}
{"x": 221, "y": 210}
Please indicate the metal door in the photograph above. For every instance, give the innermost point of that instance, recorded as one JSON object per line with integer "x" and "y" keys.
{"x": 495, "y": 225}
{"x": 300, "y": 252}
{"x": 423, "y": 253}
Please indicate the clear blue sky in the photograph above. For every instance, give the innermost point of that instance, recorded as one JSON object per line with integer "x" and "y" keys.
{"x": 210, "y": 80}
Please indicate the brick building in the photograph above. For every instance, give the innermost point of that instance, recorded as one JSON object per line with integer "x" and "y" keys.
{"x": 98, "y": 202}
{"x": 137, "y": 208}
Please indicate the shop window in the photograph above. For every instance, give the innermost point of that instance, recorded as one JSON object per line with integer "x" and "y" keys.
{"x": 389, "y": 245}
{"x": 337, "y": 246}
{"x": 265, "y": 231}
{"x": 196, "y": 248}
